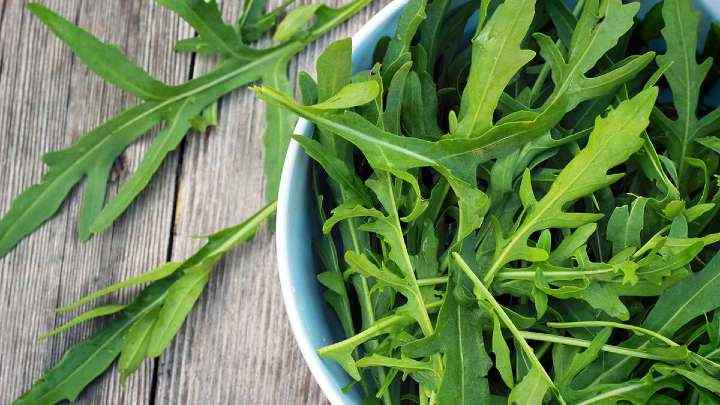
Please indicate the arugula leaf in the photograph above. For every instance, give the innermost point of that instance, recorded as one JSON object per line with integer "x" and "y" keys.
{"x": 688, "y": 299}
{"x": 127, "y": 334}
{"x": 685, "y": 77}
{"x": 612, "y": 141}
{"x": 538, "y": 378}
{"x": 458, "y": 336}
{"x": 93, "y": 154}
{"x": 497, "y": 57}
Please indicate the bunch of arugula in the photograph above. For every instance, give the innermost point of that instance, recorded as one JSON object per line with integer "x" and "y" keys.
{"x": 530, "y": 195}
{"x": 145, "y": 327}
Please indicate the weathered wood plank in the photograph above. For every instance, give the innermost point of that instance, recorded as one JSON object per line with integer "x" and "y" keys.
{"x": 48, "y": 100}
{"x": 236, "y": 347}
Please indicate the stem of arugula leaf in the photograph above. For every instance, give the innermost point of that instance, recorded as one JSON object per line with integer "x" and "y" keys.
{"x": 545, "y": 337}
{"x": 525, "y": 275}
{"x": 617, "y": 325}
{"x": 482, "y": 293}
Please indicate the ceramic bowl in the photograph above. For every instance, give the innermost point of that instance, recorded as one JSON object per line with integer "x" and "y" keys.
{"x": 312, "y": 322}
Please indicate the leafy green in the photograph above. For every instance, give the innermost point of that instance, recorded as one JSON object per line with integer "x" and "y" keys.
{"x": 528, "y": 197}
{"x": 176, "y": 107}
{"x": 546, "y": 188}
{"x": 145, "y": 326}
{"x": 685, "y": 77}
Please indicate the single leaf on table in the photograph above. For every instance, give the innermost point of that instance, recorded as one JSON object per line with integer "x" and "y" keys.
{"x": 253, "y": 23}
{"x": 279, "y": 126}
{"x": 458, "y": 336}
{"x": 96, "y": 55}
{"x": 204, "y": 16}
{"x": 178, "y": 303}
{"x": 252, "y": 12}
{"x": 685, "y": 77}
{"x": 85, "y": 361}
{"x": 611, "y": 142}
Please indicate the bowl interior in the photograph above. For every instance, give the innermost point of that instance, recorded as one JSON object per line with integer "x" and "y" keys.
{"x": 312, "y": 322}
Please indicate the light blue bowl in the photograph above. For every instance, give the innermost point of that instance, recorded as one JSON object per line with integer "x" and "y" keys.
{"x": 312, "y": 322}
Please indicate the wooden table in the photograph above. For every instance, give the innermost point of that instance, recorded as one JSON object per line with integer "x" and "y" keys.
{"x": 236, "y": 346}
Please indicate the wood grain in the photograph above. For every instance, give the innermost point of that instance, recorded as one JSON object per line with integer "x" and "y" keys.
{"x": 236, "y": 347}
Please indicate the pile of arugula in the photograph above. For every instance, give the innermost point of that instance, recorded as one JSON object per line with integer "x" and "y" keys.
{"x": 528, "y": 219}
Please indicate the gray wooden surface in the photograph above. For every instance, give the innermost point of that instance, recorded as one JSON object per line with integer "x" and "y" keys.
{"x": 236, "y": 347}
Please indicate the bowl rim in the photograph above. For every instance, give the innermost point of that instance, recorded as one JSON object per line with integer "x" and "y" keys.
{"x": 293, "y": 156}
{"x": 294, "y": 153}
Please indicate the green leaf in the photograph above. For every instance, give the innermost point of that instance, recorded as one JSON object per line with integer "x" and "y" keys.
{"x": 180, "y": 299}
{"x": 341, "y": 352}
{"x": 458, "y": 336}
{"x": 85, "y": 361}
{"x": 85, "y": 316}
{"x": 538, "y": 380}
{"x": 421, "y": 371}
{"x": 335, "y": 168}
{"x": 685, "y": 77}
{"x": 165, "y": 142}
{"x": 105, "y": 60}
{"x": 398, "y": 50}
{"x": 680, "y": 304}
{"x": 136, "y": 343}
{"x": 502, "y": 354}
{"x": 397, "y": 154}
{"x": 530, "y": 390}
{"x": 394, "y": 99}
{"x": 710, "y": 142}
{"x": 158, "y": 273}
{"x": 625, "y": 226}
{"x": 205, "y": 17}
{"x": 279, "y": 124}
{"x": 93, "y": 154}
{"x": 350, "y": 95}
{"x": 294, "y": 22}
{"x": 497, "y": 57}
{"x": 611, "y": 142}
